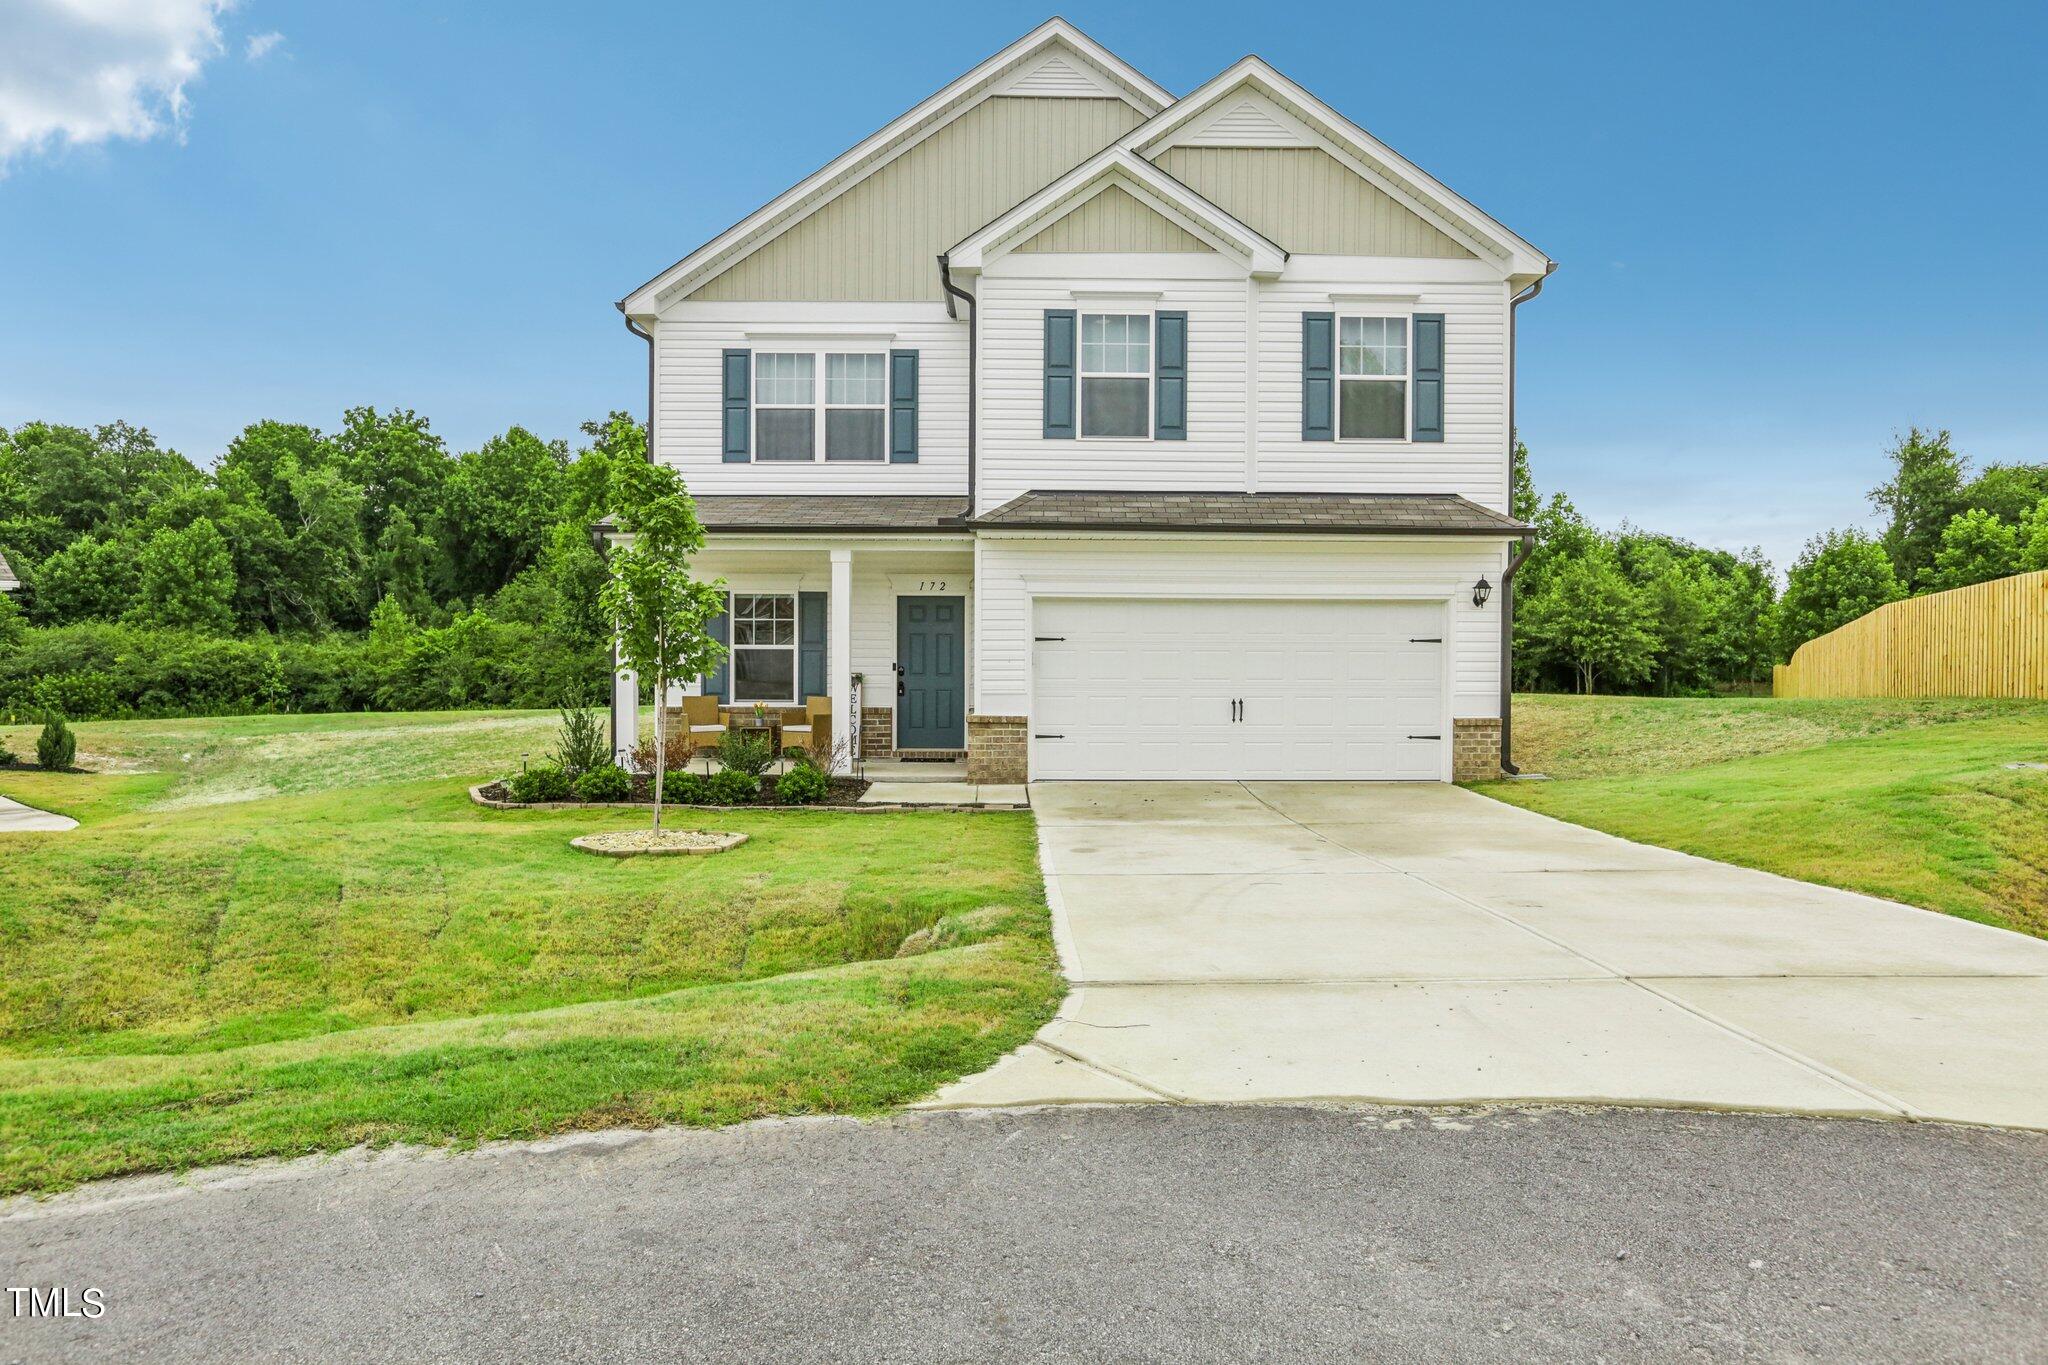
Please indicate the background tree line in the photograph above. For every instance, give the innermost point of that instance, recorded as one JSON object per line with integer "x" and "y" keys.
{"x": 367, "y": 567}
{"x": 1636, "y": 611}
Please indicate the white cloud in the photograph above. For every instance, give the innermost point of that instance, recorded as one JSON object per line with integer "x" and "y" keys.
{"x": 261, "y": 45}
{"x": 80, "y": 72}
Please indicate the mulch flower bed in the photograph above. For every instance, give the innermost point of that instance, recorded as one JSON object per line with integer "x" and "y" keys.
{"x": 839, "y": 791}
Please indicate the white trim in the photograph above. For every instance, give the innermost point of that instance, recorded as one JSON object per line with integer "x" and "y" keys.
{"x": 1353, "y": 303}
{"x": 1144, "y": 182}
{"x": 781, "y": 212}
{"x": 1124, "y": 300}
{"x": 1365, "y": 154}
{"x": 818, "y": 338}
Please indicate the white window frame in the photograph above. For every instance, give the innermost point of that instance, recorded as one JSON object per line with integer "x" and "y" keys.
{"x": 820, "y": 386}
{"x": 1150, "y": 375}
{"x": 732, "y": 632}
{"x": 1406, "y": 377}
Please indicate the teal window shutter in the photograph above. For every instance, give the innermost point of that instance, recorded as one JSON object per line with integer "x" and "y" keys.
{"x": 902, "y": 408}
{"x": 1170, "y": 376}
{"x": 1059, "y": 374}
{"x": 810, "y": 644}
{"x": 739, "y": 416}
{"x": 714, "y": 682}
{"x": 1429, "y": 378}
{"x": 1318, "y": 376}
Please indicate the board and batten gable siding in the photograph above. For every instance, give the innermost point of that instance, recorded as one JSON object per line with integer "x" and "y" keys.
{"x": 880, "y": 239}
{"x": 1010, "y": 570}
{"x": 1015, "y": 455}
{"x": 690, "y": 338}
{"x": 1470, "y": 461}
{"x": 1114, "y": 221}
{"x": 1307, "y": 201}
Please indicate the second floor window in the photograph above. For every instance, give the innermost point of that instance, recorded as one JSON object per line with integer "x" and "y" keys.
{"x": 792, "y": 423}
{"x": 1116, "y": 374}
{"x": 1372, "y": 379}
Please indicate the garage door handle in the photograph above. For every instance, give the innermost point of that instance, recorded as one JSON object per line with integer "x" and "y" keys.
{"x": 1050, "y": 639}
{"x": 1425, "y": 639}
{"x": 1425, "y": 736}
{"x": 1048, "y": 736}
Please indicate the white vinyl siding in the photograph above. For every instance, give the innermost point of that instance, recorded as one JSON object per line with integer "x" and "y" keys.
{"x": 688, "y": 343}
{"x": 1011, "y": 571}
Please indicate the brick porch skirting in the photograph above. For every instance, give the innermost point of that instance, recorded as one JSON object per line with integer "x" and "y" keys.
{"x": 997, "y": 749}
{"x": 1475, "y": 749}
{"x": 877, "y": 732}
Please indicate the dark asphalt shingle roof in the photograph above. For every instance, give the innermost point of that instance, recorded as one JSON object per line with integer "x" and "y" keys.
{"x": 1333, "y": 513}
{"x": 729, "y": 512}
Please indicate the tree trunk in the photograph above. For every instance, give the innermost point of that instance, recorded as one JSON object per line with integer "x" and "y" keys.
{"x": 660, "y": 742}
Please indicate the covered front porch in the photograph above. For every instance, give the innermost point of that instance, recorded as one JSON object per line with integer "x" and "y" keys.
{"x": 855, "y": 646}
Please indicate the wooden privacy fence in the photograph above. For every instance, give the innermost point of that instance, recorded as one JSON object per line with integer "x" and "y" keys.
{"x": 1986, "y": 640}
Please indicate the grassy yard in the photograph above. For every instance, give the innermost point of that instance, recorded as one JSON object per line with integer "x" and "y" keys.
{"x": 1904, "y": 799}
{"x": 277, "y": 935}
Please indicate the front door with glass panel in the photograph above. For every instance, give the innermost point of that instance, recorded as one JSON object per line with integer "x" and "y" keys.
{"x": 931, "y": 673}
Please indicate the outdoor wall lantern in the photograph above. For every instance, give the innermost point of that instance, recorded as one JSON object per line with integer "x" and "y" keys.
{"x": 1481, "y": 591}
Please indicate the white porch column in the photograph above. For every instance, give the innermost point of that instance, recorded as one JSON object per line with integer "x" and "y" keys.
{"x": 839, "y": 656}
{"x": 625, "y": 709}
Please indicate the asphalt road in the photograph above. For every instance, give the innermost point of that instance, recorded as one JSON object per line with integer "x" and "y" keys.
{"x": 1140, "y": 1233}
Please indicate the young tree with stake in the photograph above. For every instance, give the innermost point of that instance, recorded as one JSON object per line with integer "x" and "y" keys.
{"x": 659, "y": 610}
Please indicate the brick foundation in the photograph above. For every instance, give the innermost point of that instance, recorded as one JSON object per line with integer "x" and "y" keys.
{"x": 998, "y": 749}
{"x": 1475, "y": 749}
{"x": 877, "y": 732}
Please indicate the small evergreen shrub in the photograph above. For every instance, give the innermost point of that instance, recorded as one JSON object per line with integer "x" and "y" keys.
{"x": 543, "y": 783}
{"x": 686, "y": 789}
{"x": 56, "y": 746}
{"x": 609, "y": 783}
{"x": 801, "y": 785}
{"x": 740, "y": 752}
{"x": 729, "y": 787}
{"x": 581, "y": 746}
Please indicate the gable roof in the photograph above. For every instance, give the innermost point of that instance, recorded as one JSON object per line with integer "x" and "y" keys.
{"x": 1143, "y": 181}
{"x": 1070, "y": 59}
{"x": 1365, "y": 154}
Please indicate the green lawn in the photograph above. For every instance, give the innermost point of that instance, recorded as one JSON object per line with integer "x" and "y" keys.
{"x": 1904, "y": 799}
{"x": 277, "y": 935}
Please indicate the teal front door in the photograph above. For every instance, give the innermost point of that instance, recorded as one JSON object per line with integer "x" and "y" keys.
{"x": 931, "y": 673}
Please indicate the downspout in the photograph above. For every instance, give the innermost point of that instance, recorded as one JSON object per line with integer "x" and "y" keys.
{"x": 1527, "y": 543}
{"x": 611, "y": 709}
{"x": 637, "y": 330}
{"x": 954, "y": 291}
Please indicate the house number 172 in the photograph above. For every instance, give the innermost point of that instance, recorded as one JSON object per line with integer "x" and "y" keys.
{"x": 931, "y": 585}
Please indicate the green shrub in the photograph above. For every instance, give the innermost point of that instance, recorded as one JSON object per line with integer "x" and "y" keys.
{"x": 581, "y": 745}
{"x": 7, "y": 758}
{"x": 729, "y": 787}
{"x": 609, "y": 783}
{"x": 801, "y": 785}
{"x": 56, "y": 746}
{"x": 742, "y": 752}
{"x": 685, "y": 788}
{"x": 545, "y": 782}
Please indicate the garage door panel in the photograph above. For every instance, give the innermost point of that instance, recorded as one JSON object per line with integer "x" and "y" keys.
{"x": 1144, "y": 689}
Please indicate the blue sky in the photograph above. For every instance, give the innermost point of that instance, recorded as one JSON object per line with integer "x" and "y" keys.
{"x": 1784, "y": 231}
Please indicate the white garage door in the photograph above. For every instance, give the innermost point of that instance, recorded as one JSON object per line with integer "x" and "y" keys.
{"x": 1226, "y": 689}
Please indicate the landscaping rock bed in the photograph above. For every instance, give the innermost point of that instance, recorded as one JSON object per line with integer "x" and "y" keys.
{"x": 839, "y": 792}
{"x": 635, "y": 843}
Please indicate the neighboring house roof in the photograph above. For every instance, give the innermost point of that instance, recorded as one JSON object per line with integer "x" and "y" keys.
{"x": 8, "y": 582}
{"x": 1145, "y": 182}
{"x": 1333, "y": 513}
{"x": 873, "y": 512}
{"x": 1055, "y": 36}
{"x": 1222, "y": 100}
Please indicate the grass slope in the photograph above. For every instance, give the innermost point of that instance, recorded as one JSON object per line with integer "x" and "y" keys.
{"x": 281, "y": 935}
{"x": 1909, "y": 800}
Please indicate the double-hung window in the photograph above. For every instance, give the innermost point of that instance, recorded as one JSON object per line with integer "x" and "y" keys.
{"x": 785, "y": 406}
{"x": 796, "y": 418}
{"x": 763, "y": 647}
{"x": 1372, "y": 378}
{"x": 1116, "y": 374}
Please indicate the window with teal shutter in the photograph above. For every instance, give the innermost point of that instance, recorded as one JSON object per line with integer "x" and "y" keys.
{"x": 713, "y": 683}
{"x": 1429, "y": 378}
{"x": 903, "y": 407}
{"x": 1170, "y": 392}
{"x": 739, "y": 419}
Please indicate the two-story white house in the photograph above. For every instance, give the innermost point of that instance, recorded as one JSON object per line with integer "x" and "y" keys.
{"x": 1104, "y": 434}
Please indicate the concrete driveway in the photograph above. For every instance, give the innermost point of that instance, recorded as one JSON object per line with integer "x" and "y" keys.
{"x": 1263, "y": 942}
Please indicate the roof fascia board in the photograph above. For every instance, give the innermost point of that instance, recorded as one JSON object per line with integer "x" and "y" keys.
{"x": 1147, "y": 183}
{"x": 954, "y": 98}
{"x": 1363, "y": 153}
